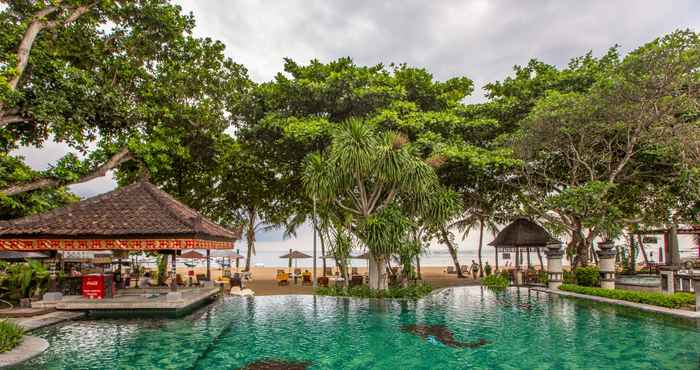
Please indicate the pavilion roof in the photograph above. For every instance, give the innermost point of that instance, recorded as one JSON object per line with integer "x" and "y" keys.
{"x": 523, "y": 233}
{"x": 137, "y": 211}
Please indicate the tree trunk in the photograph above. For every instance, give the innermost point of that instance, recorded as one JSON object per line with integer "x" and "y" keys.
{"x": 579, "y": 245}
{"x": 539, "y": 257}
{"x": 453, "y": 251}
{"x": 378, "y": 278}
{"x": 323, "y": 252}
{"x": 481, "y": 243}
{"x": 250, "y": 237}
{"x": 641, "y": 247}
{"x": 420, "y": 277}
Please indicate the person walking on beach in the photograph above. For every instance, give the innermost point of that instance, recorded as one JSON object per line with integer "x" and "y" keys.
{"x": 475, "y": 269}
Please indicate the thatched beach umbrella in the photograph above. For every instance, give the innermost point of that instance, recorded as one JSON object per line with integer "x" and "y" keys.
{"x": 294, "y": 255}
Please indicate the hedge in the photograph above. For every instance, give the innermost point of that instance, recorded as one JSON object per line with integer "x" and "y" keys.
{"x": 675, "y": 300}
{"x": 413, "y": 291}
{"x": 10, "y": 335}
{"x": 497, "y": 281}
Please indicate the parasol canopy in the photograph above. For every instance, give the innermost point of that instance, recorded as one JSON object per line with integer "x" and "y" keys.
{"x": 226, "y": 253}
{"x": 193, "y": 255}
{"x": 295, "y": 255}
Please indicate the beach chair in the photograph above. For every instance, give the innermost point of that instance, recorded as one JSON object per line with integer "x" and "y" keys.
{"x": 329, "y": 271}
{"x": 306, "y": 279}
{"x": 451, "y": 270}
{"x": 465, "y": 269}
{"x": 323, "y": 281}
{"x": 354, "y": 271}
{"x": 297, "y": 272}
{"x": 282, "y": 278}
{"x": 356, "y": 280}
{"x": 201, "y": 278}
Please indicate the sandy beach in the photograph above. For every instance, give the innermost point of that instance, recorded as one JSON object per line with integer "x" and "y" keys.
{"x": 263, "y": 282}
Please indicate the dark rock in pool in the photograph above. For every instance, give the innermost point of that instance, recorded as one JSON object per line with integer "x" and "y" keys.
{"x": 442, "y": 334}
{"x": 277, "y": 365}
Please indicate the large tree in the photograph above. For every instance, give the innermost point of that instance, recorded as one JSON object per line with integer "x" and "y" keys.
{"x": 609, "y": 156}
{"x": 376, "y": 180}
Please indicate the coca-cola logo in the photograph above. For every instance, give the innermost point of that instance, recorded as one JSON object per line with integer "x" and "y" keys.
{"x": 91, "y": 283}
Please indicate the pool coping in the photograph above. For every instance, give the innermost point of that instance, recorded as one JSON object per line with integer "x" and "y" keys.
{"x": 641, "y": 306}
{"x": 30, "y": 347}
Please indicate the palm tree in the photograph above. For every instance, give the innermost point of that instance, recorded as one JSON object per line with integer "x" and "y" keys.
{"x": 468, "y": 223}
{"x": 371, "y": 178}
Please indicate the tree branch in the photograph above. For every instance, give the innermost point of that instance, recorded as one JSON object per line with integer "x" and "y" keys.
{"x": 47, "y": 182}
{"x": 6, "y": 120}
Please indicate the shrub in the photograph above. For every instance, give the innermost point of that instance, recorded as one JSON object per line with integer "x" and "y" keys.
{"x": 569, "y": 277}
{"x": 413, "y": 291}
{"x": 675, "y": 300}
{"x": 542, "y": 277}
{"x": 495, "y": 281}
{"x": 10, "y": 335}
{"x": 587, "y": 276}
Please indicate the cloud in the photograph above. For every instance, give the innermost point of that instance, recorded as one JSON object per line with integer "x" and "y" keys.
{"x": 479, "y": 39}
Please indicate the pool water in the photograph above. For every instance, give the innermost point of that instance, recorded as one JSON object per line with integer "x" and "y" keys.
{"x": 515, "y": 329}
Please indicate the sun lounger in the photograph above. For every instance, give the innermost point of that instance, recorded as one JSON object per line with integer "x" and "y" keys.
{"x": 356, "y": 280}
{"x": 451, "y": 270}
{"x": 282, "y": 278}
{"x": 323, "y": 281}
{"x": 354, "y": 271}
{"x": 237, "y": 291}
{"x": 329, "y": 271}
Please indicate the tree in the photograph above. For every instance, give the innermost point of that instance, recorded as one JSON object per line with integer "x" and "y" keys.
{"x": 594, "y": 160}
{"x": 370, "y": 176}
{"x": 115, "y": 72}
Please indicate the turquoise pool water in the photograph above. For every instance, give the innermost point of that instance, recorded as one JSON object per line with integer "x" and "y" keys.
{"x": 516, "y": 329}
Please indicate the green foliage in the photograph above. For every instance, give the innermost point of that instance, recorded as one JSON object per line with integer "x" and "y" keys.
{"x": 13, "y": 170}
{"x": 10, "y": 335}
{"x": 676, "y": 300}
{"x": 569, "y": 277}
{"x": 412, "y": 291}
{"x": 497, "y": 281}
{"x": 543, "y": 277}
{"x": 587, "y": 276}
{"x": 22, "y": 279}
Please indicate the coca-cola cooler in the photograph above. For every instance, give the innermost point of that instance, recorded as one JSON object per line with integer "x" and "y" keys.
{"x": 98, "y": 286}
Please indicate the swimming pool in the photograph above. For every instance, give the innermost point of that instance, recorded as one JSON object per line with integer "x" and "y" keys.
{"x": 515, "y": 329}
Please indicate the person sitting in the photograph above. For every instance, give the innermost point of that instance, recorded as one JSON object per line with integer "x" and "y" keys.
{"x": 306, "y": 278}
{"x": 145, "y": 281}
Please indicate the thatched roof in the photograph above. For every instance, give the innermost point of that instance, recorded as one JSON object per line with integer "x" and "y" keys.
{"x": 139, "y": 210}
{"x": 523, "y": 233}
{"x": 296, "y": 254}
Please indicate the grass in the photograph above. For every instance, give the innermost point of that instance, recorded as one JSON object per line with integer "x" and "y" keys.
{"x": 414, "y": 291}
{"x": 10, "y": 335}
{"x": 676, "y": 300}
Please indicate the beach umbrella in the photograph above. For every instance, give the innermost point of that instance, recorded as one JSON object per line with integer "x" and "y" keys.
{"x": 363, "y": 256}
{"x": 193, "y": 255}
{"x": 294, "y": 255}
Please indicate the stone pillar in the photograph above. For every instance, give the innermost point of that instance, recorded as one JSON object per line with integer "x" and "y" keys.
{"x": 668, "y": 279}
{"x": 554, "y": 268}
{"x": 696, "y": 287}
{"x": 606, "y": 264}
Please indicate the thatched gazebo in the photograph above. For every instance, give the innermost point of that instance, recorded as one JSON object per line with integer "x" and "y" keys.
{"x": 521, "y": 235}
{"x": 137, "y": 217}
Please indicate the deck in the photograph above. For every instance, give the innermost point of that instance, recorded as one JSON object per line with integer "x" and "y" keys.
{"x": 133, "y": 302}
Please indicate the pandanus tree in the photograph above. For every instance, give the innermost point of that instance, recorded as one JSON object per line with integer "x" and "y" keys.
{"x": 374, "y": 179}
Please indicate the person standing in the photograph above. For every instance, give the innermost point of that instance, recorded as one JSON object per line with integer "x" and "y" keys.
{"x": 475, "y": 269}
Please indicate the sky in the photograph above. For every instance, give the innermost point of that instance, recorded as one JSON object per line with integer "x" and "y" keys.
{"x": 479, "y": 39}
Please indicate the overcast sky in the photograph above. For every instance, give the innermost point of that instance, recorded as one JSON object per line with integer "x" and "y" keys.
{"x": 479, "y": 39}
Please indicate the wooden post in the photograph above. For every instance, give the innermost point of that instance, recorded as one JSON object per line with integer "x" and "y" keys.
{"x": 208, "y": 265}
{"x": 173, "y": 272}
{"x": 496, "y": 259}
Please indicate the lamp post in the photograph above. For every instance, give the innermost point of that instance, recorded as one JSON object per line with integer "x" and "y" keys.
{"x": 313, "y": 282}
